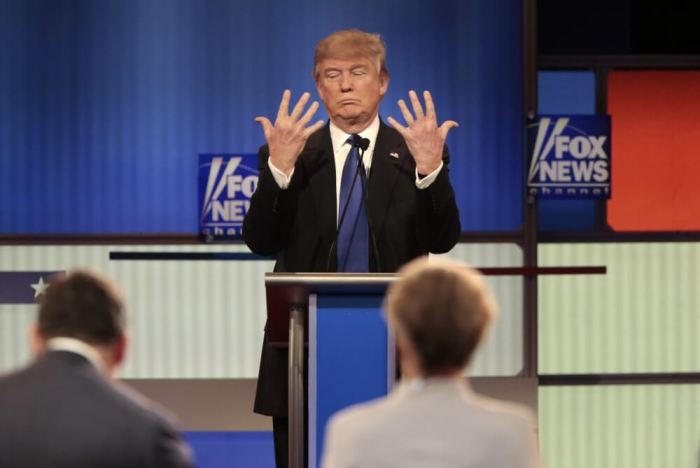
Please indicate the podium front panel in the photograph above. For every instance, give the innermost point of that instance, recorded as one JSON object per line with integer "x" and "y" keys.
{"x": 351, "y": 358}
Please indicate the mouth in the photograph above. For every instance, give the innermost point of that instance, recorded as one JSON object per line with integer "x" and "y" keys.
{"x": 345, "y": 102}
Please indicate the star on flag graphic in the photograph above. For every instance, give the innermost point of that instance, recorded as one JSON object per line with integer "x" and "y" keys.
{"x": 24, "y": 287}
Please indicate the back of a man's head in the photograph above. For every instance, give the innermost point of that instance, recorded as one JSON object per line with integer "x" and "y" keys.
{"x": 84, "y": 306}
{"x": 441, "y": 309}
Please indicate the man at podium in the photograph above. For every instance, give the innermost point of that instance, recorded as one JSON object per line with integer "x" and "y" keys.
{"x": 349, "y": 195}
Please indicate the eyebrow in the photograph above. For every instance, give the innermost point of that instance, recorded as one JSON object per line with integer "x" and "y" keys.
{"x": 354, "y": 66}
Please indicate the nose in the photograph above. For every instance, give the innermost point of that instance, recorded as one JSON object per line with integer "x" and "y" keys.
{"x": 346, "y": 83}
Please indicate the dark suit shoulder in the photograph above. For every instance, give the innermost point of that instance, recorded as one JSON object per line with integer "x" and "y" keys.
{"x": 110, "y": 426}
{"x": 317, "y": 138}
{"x": 142, "y": 406}
{"x": 390, "y": 133}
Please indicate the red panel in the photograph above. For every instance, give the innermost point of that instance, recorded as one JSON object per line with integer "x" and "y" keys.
{"x": 655, "y": 150}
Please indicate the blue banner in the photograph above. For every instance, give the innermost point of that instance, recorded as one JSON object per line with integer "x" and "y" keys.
{"x": 24, "y": 287}
{"x": 226, "y": 184}
{"x": 569, "y": 156}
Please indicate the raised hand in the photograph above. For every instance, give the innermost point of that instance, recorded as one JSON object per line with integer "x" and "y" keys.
{"x": 425, "y": 140}
{"x": 287, "y": 137}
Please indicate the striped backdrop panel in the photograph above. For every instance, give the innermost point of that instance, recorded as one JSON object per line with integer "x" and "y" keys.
{"x": 205, "y": 319}
{"x": 620, "y": 426}
{"x": 501, "y": 354}
{"x": 642, "y": 316}
{"x": 187, "y": 319}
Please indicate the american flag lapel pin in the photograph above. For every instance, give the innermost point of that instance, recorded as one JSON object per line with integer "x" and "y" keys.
{"x": 394, "y": 155}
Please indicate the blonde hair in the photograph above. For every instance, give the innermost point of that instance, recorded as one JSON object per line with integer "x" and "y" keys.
{"x": 348, "y": 44}
{"x": 443, "y": 310}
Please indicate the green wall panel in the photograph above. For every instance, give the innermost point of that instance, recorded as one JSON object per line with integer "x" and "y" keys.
{"x": 625, "y": 426}
{"x": 643, "y": 316}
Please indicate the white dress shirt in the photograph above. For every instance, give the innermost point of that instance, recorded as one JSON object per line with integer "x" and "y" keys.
{"x": 64, "y": 343}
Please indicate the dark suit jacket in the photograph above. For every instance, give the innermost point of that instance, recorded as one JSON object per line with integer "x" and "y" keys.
{"x": 60, "y": 412}
{"x": 298, "y": 225}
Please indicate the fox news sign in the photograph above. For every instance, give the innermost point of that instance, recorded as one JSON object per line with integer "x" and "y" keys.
{"x": 569, "y": 156}
{"x": 226, "y": 184}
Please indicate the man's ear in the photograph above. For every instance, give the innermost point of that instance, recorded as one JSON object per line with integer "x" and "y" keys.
{"x": 119, "y": 350}
{"x": 37, "y": 344}
{"x": 383, "y": 83}
{"x": 320, "y": 93}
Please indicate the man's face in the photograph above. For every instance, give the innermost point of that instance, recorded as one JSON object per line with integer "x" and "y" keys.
{"x": 351, "y": 91}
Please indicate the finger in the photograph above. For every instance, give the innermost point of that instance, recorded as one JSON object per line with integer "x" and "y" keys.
{"x": 309, "y": 113}
{"x": 397, "y": 126}
{"x": 284, "y": 105}
{"x": 405, "y": 112}
{"x": 429, "y": 106}
{"x": 417, "y": 108}
{"x": 446, "y": 126}
{"x": 300, "y": 106}
{"x": 309, "y": 130}
{"x": 266, "y": 126}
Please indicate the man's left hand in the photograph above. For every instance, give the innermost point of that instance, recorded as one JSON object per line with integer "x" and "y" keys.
{"x": 425, "y": 140}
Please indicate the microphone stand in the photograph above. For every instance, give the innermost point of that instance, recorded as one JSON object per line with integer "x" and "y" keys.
{"x": 355, "y": 144}
{"x": 363, "y": 144}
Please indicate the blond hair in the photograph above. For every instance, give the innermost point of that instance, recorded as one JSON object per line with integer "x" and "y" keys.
{"x": 349, "y": 44}
{"x": 442, "y": 309}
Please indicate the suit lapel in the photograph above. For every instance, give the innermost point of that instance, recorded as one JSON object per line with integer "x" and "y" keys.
{"x": 319, "y": 165}
{"x": 387, "y": 159}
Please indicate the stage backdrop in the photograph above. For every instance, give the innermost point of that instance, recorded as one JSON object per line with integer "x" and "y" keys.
{"x": 105, "y": 105}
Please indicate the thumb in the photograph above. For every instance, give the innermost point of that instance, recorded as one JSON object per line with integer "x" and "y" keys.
{"x": 446, "y": 127}
{"x": 397, "y": 126}
{"x": 266, "y": 126}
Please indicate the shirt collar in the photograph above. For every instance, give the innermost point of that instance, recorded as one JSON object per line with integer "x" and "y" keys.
{"x": 422, "y": 384}
{"x": 339, "y": 137}
{"x": 72, "y": 345}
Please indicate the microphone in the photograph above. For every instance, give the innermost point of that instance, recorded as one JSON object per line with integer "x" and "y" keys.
{"x": 360, "y": 143}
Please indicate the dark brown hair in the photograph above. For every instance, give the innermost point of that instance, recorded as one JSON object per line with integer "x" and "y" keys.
{"x": 84, "y": 306}
{"x": 442, "y": 309}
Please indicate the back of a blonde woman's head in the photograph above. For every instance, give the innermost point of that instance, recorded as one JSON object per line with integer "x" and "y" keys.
{"x": 443, "y": 310}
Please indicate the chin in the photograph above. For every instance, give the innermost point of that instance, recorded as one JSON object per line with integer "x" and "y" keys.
{"x": 351, "y": 116}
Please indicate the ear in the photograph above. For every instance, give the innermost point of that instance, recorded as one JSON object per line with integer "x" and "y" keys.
{"x": 37, "y": 344}
{"x": 119, "y": 350}
{"x": 319, "y": 90}
{"x": 410, "y": 366}
{"x": 383, "y": 83}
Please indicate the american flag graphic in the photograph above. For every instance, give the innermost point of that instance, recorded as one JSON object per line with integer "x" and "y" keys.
{"x": 24, "y": 287}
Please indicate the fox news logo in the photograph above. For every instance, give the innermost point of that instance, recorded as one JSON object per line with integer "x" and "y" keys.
{"x": 570, "y": 157}
{"x": 226, "y": 184}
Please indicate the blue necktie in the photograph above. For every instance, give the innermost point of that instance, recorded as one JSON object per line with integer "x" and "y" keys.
{"x": 353, "y": 253}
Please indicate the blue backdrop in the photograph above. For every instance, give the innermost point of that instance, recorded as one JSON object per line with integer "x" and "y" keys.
{"x": 105, "y": 105}
{"x": 566, "y": 92}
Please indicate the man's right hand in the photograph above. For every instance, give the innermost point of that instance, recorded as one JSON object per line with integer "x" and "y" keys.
{"x": 287, "y": 137}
